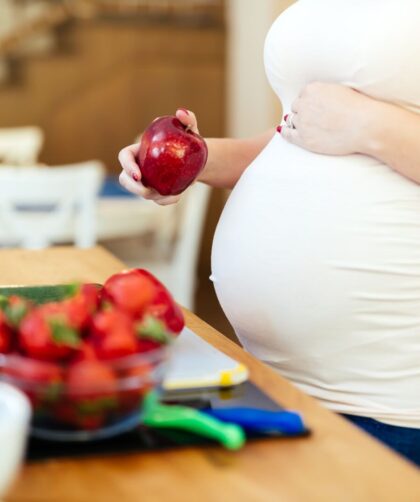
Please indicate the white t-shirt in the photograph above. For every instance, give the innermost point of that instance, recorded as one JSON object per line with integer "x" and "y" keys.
{"x": 316, "y": 258}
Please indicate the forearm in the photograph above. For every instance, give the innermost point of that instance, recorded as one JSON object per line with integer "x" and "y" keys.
{"x": 394, "y": 138}
{"x": 228, "y": 158}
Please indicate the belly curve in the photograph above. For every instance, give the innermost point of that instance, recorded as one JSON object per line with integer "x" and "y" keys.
{"x": 312, "y": 244}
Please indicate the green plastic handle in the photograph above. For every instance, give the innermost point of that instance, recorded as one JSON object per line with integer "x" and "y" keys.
{"x": 189, "y": 419}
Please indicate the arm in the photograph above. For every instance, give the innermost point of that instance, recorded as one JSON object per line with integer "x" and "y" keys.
{"x": 228, "y": 158}
{"x": 394, "y": 138}
{"x": 337, "y": 120}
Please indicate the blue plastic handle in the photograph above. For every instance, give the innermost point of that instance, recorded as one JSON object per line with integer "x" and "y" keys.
{"x": 257, "y": 420}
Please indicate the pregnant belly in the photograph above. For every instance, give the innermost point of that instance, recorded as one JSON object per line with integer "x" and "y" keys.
{"x": 315, "y": 255}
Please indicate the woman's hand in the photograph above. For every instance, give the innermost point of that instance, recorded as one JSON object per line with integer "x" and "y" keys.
{"x": 330, "y": 119}
{"x": 130, "y": 177}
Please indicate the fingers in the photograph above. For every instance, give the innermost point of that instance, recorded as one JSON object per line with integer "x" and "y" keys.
{"x": 137, "y": 188}
{"x": 133, "y": 186}
{"x": 127, "y": 158}
{"x": 291, "y": 135}
{"x": 188, "y": 118}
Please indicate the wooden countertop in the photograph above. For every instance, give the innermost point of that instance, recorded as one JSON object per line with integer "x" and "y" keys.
{"x": 337, "y": 463}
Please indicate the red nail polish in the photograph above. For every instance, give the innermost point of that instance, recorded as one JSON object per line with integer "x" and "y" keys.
{"x": 286, "y": 117}
{"x": 184, "y": 110}
{"x": 135, "y": 177}
{"x": 278, "y": 129}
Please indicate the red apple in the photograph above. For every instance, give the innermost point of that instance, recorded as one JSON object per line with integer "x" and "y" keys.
{"x": 171, "y": 156}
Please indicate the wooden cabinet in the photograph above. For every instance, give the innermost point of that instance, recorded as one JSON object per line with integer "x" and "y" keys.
{"x": 110, "y": 79}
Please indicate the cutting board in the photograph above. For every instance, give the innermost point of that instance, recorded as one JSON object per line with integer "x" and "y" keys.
{"x": 196, "y": 364}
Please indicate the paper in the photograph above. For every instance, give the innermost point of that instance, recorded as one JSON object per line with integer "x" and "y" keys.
{"x": 197, "y": 364}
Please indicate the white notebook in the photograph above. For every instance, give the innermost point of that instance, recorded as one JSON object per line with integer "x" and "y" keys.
{"x": 196, "y": 364}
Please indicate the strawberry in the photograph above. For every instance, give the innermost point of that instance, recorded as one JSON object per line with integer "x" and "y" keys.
{"x": 139, "y": 293}
{"x": 113, "y": 334}
{"x": 79, "y": 308}
{"x": 85, "y": 351}
{"x": 42, "y": 381}
{"x": 92, "y": 393}
{"x": 45, "y": 334}
{"x": 82, "y": 306}
{"x": 141, "y": 381}
{"x": 130, "y": 291}
{"x": 5, "y": 335}
{"x": 163, "y": 306}
{"x": 90, "y": 379}
{"x": 152, "y": 334}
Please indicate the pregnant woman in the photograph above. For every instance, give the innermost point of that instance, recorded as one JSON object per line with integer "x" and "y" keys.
{"x": 316, "y": 258}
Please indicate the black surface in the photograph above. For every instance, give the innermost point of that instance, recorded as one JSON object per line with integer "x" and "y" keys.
{"x": 145, "y": 439}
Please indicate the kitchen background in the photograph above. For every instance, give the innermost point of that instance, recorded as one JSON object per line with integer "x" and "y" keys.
{"x": 80, "y": 79}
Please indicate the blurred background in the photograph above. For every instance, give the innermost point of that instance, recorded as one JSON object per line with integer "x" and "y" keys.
{"x": 80, "y": 79}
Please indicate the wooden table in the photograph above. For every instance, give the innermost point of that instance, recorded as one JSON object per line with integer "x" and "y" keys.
{"x": 337, "y": 463}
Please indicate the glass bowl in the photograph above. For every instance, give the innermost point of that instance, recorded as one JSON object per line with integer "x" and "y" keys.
{"x": 87, "y": 412}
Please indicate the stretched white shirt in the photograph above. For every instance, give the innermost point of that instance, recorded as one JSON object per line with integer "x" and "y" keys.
{"x": 316, "y": 258}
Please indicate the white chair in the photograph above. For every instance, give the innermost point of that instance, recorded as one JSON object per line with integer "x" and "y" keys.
{"x": 179, "y": 271}
{"x": 177, "y": 236}
{"x": 20, "y": 145}
{"x": 40, "y": 206}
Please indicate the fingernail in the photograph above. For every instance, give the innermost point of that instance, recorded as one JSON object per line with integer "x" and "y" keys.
{"x": 286, "y": 117}
{"x": 278, "y": 129}
{"x": 184, "y": 110}
{"x": 135, "y": 177}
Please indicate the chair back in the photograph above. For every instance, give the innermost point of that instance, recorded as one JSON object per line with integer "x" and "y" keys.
{"x": 40, "y": 206}
{"x": 190, "y": 225}
{"x": 20, "y": 145}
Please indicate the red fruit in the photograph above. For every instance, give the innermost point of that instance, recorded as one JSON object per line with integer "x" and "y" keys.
{"x": 113, "y": 334}
{"x": 146, "y": 345}
{"x": 130, "y": 291}
{"x": 139, "y": 293}
{"x": 92, "y": 296}
{"x": 80, "y": 308}
{"x": 84, "y": 352}
{"x": 42, "y": 381}
{"x": 116, "y": 345}
{"x": 163, "y": 306}
{"x": 110, "y": 320}
{"x": 5, "y": 335}
{"x": 141, "y": 382}
{"x": 32, "y": 370}
{"x": 90, "y": 379}
{"x": 171, "y": 156}
{"x": 169, "y": 313}
{"x": 45, "y": 334}
{"x": 92, "y": 391}
{"x": 152, "y": 334}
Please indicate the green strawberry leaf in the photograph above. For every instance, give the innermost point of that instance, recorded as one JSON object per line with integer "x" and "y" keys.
{"x": 15, "y": 313}
{"x": 53, "y": 391}
{"x": 4, "y": 302}
{"x": 71, "y": 290}
{"x": 154, "y": 329}
{"x": 63, "y": 334}
{"x": 93, "y": 406}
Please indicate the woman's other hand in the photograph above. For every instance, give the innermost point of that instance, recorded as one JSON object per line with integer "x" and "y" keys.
{"x": 130, "y": 177}
{"x": 329, "y": 119}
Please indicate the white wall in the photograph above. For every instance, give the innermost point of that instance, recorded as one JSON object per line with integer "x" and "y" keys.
{"x": 251, "y": 105}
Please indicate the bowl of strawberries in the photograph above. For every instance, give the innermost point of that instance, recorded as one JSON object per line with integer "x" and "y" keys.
{"x": 87, "y": 355}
